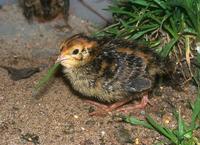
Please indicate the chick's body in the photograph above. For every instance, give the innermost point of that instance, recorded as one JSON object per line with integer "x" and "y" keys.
{"x": 108, "y": 70}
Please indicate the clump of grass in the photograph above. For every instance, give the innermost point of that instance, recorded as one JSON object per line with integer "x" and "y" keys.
{"x": 171, "y": 26}
{"x": 183, "y": 134}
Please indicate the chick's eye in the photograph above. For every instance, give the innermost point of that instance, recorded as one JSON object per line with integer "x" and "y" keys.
{"x": 76, "y": 51}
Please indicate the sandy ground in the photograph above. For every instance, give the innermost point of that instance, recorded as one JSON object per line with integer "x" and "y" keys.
{"x": 59, "y": 117}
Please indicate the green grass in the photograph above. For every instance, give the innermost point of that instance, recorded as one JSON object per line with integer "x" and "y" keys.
{"x": 45, "y": 79}
{"x": 172, "y": 27}
{"x": 183, "y": 134}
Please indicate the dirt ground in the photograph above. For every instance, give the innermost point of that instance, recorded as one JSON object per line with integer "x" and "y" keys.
{"x": 59, "y": 117}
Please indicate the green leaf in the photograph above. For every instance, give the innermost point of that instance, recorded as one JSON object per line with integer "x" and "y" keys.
{"x": 190, "y": 31}
{"x": 161, "y": 4}
{"x": 143, "y": 3}
{"x": 46, "y": 78}
{"x": 134, "y": 121}
{"x": 140, "y": 2}
{"x": 163, "y": 130}
{"x": 155, "y": 43}
{"x": 125, "y": 25}
{"x": 168, "y": 47}
{"x": 120, "y": 11}
{"x": 181, "y": 126}
{"x": 142, "y": 32}
{"x": 196, "y": 110}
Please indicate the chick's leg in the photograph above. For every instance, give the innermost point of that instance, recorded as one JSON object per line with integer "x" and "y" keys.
{"x": 141, "y": 105}
{"x": 103, "y": 109}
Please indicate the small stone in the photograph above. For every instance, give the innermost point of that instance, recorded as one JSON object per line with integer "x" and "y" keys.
{"x": 167, "y": 118}
{"x": 91, "y": 109}
{"x": 90, "y": 122}
{"x": 137, "y": 141}
{"x": 76, "y": 116}
{"x": 166, "y": 121}
{"x": 18, "y": 74}
{"x": 143, "y": 112}
{"x": 88, "y": 142}
{"x": 103, "y": 133}
{"x": 30, "y": 137}
{"x": 69, "y": 128}
{"x": 82, "y": 128}
{"x": 123, "y": 135}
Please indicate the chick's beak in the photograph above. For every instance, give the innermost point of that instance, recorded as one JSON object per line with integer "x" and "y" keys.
{"x": 60, "y": 59}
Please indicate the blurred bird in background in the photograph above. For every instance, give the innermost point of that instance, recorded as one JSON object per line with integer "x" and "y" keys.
{"x": 45, "y": 10}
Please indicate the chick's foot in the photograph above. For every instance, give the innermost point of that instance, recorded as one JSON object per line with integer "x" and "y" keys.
{"x": 131, "y": 107}
{"x": 106, "y": 109}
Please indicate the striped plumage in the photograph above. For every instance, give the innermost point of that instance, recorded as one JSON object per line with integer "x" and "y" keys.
{"x": 109, "y": 70}
{"x": 44, "y": 10}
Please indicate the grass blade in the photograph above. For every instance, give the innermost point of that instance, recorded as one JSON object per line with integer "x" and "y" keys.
{"x": 162, "y": 130}
{"x": 134, "y": 121}
{"x": 168, "y": 47}
{"x": 142, "y": 32}
{"x": 160, "y": 3}
{"x": 196, "y": 110}
{"x": 181, "y": 126}
{"x": 143, "y": 3}
{"x": 45, "y": 79}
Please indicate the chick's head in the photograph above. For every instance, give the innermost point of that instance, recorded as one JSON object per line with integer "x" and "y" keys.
{"x": 77, "y": 51}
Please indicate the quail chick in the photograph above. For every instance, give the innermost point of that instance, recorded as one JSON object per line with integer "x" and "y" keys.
{"x": 112, "y": 71}
{"x": 44, "y": 10}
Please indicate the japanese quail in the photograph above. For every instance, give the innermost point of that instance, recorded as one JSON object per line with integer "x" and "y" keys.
{"x": 111, "y": 71}
{"x": 44, "y": 10}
